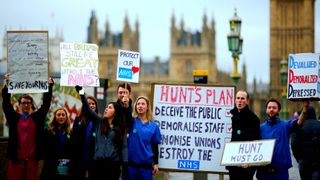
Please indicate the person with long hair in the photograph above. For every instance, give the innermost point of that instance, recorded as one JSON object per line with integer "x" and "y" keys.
{"x": 58, "y": 147}
{"x": 83, "y": 137}
{"x": 143, "y": 140}
{"x": 109, "y": 144}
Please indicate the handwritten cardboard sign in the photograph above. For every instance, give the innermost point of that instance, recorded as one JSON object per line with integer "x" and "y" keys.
{"x": 303, "y": 76}
{"x": 248, "y": 152}
{"x": 195, "y": 123}
{"x": 79, "y": 64}
{"x": 128, "y": 68}
{"x": 28, "y": 61}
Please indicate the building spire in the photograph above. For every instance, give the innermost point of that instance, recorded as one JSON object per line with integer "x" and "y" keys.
{"x": 126, "y": 23}
{"x": 93, "y": 28}
{"x": 204, "y": 21}
{"x": 182, "y": 24}
{"x": 173, "y": 21}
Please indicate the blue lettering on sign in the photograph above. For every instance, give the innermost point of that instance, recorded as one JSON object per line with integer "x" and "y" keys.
{"x": 301, "y": 64}
{"x": 188, "y": 164}
{"x": 125, "y": 73}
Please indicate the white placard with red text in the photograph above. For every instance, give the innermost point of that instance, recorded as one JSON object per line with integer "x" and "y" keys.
{"x": 195, "y": 123}
{"x": 303, "y": 76}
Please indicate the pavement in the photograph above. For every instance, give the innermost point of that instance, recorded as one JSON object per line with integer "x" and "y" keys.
{"x": 293, "y": 174}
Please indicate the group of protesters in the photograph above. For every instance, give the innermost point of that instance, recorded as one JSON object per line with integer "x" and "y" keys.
{"x": 123, "y": 143}
{"x": 303, "y": 132}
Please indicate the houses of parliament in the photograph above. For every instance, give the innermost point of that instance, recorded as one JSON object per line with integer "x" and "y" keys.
{"x": 189, "y": 51}
{"x": 291, "y": 31}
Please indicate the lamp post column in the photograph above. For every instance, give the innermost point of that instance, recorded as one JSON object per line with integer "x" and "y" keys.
{"x": 235, "y": 75}
{"x": 235, "y": 45}
{"x": 284, "y": 113}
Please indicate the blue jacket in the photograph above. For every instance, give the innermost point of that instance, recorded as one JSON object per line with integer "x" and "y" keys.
{"x": 280, "y": 131}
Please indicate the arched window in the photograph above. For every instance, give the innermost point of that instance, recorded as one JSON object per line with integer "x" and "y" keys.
{"x": 110, "y": 68}
{"x": 189, "y": 67}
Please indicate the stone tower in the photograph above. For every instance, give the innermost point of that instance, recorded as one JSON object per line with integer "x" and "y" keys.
{"x": 291, "y": 31}
{"x": 93, "y": 29}
{"x": 110, "y": 43}
{"x": 190, "y": 51}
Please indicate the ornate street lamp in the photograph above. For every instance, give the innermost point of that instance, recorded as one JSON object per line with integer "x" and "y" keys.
{"x": 235, "y": 44}
{"x": 284, "y": 114}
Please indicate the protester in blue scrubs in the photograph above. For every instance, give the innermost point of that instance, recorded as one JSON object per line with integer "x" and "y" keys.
{"x": 275, "y": 128}
{"x": 143, "y": 141}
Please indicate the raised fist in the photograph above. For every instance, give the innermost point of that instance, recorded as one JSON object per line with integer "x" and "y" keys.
{"x": 78, "y": 88}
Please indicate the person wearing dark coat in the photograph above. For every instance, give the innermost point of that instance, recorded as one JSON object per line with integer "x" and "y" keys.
{"x": 125, "y": 102}
{"x": 26, "y": 129}
{"x": 83, "y": 137}
{"x": 305, "y": 144}
{"x": 245, "y": 127}
{"x": 58, "y": 147}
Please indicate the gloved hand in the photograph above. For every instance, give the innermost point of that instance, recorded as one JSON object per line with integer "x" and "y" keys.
{"x": 78, "y": 88}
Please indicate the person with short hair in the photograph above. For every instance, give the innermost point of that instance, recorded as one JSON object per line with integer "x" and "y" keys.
{"x": 125, "y": 102}
{"x": 275, "y": 128}
{"x": 26, "y": 132}
{"x": 245, "y": 127}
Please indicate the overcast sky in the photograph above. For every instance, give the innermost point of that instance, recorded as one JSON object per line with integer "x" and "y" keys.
{"x": 72, "y": 18}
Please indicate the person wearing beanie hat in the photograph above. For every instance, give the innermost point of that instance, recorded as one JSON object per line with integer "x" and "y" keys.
{"x": 305, "y": 146}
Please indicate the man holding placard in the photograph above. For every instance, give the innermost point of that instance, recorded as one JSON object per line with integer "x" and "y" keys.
{"x": 26, "y": 130}
{"x": 245, "y": 127}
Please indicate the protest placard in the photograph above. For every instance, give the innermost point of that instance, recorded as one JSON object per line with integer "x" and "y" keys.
{"x": 303, "y": 76}
{"x": 27, "y": 61}
{"x": 195, "y": 123}
{"x": 128, "y": 68}
{"x": 79, "y": 64}
{"x": 248, "y": 152}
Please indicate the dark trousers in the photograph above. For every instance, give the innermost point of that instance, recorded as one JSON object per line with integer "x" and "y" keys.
{"x": 80, "y": 170}
{"x": 269, "y": 173}
{"x": 237, "y": 173}
{"x": 309, "y": 172}
{"x": 105, "y": 169}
